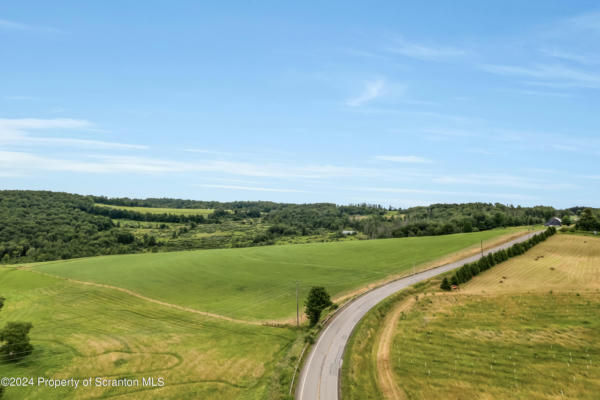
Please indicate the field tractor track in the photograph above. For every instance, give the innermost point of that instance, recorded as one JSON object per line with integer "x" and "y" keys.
{"x": 387, "y": 382}
{"x": 149, "y": 299}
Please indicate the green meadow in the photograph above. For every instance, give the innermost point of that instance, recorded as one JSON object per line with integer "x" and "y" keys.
{"x": 84, "y": 331}
{"x": 259, "y": 283}
{"x": 159, "y": 210}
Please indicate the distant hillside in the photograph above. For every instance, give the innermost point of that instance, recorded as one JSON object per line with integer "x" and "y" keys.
{"x": 43, "y": 225}
{"x": 47, "y": 226}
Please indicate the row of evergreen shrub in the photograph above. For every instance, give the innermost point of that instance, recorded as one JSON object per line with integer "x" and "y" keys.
{"x": 468, "y": 271}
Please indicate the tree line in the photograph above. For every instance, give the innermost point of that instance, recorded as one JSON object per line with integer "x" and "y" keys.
{"x": 468, "y": 271}
{"x": 121, "y": 213}
{"x": 443, "y": 219}
{"x": 44, "y": 225}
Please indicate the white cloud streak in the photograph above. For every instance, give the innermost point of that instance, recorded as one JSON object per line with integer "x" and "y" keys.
{"x": 17, "y": 132}
{"x": 80, "y": 143}
{"x": 501, "y": 180}
{"x": 442, "y": 192}
{"x": 372, "y": 90}
{"x": 423, "y": 52}
{"x": 405, "y": 159}
{"x": 588, "y": 21}
{"x": 15, "y": 26}
{"x": 551, "y": 75}
{"x": 585, "y": 59}
{"x": 38, "y": 123}
{"x": 24, "y": 161}
{"x": 250, "y": 188}
{"x": 18, "y": 26}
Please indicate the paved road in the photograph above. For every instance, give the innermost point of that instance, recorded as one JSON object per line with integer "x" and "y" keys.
{"x": 319, "y": 379}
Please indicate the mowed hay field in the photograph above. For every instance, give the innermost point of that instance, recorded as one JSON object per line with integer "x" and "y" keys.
{"x": 259, "y": 283}
{"x": 160, "y": 210}
{"x": 567, "y": 263}
{"x": 84, "y": 331}
{"x": 526, "y": 329}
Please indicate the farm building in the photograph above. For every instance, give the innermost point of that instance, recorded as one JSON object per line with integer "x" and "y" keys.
{"x": 554, "y": 222}
{"x": 348, "y": 232}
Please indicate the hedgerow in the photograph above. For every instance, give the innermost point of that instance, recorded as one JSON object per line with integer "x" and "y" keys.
{"x": 468, "y": 271}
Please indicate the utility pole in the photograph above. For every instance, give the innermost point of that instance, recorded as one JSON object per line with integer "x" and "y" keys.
{"x": 481, "y": 248}
{"x": 297, "y": 307}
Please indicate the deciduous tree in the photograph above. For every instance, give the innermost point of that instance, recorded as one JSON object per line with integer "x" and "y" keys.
{"x": 318, "y": 299}
{"x": 15, "y": 336}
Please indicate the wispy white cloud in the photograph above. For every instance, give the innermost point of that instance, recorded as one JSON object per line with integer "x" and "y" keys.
{"x": 39, "y": 123}
{"x": 405, "y": 159}
{"x": 503, "y": 180}
{"x": 420, "y": 51}
{"x": 79, "y": 143}
{"x": 9, "y": 174}
{"x": 371, "y": 91}
{"x": 564, "y": 147}
{"x": 205, "y": 151}
{"x": 18, "y": 132}
{"x": 362, "y": 53}
{"x": 585, "y": 59}
{"x": 11, "y": 25}
{"x": 250, "y": 188}
{"x": 542, "y": 93}
{"x": 451, "y": 133}
{"x": 8, "y": 25}
{"x": 33, "y": 163}
{"x": 21, "y": 98}
{"x": 551, "y": 75}
{"x": 587, "y": 21}
{"x": 441, "y": 192}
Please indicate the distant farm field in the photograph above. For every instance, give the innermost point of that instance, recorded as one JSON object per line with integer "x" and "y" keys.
{"x": 259, "y": 283}
{"x": 526, "y": 329}
{"x": 158, "y": 210}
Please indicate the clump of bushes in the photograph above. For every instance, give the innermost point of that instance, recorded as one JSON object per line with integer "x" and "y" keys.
{"x": 468, "y": 271}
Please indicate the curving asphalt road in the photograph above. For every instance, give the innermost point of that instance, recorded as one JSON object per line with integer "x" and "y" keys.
{"x": 319, "y": 379}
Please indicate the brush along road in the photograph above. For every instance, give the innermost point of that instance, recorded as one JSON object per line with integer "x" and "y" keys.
{"x": 319, "y": 378}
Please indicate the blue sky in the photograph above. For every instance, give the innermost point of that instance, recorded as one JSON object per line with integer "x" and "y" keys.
{"x": 395, "y": 103}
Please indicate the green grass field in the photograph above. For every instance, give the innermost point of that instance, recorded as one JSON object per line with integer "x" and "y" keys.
{"x": 259, "y": 283}
{"x": 158, "y": 210}
{"x": 525, "y": 329}
{"x": 82, "y": 331}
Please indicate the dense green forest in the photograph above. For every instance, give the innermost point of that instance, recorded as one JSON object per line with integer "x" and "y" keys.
{"x": 40, "y": 226}
{"x": 441, "y": 219}
{"x": 43, "y": 225}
